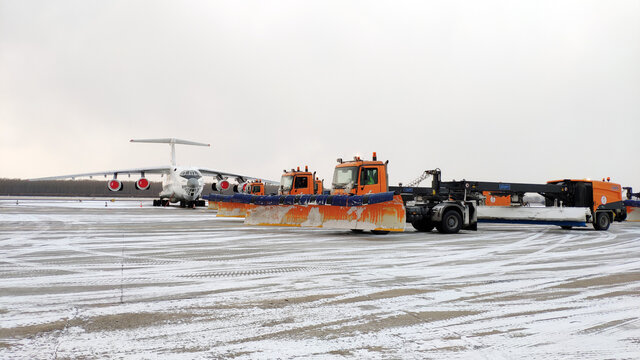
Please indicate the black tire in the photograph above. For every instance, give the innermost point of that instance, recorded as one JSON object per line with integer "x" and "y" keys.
{"x": 357, "y": 231}
{"x": 379, "y": 232}
{"x": 602, "y": 222}
{"x": 424, "y": 225}
{"x": 566, "y": 227}
{"x": 451, "y": 222}
{"x": 182, "y": 203}
{"x": 156, "y": 202}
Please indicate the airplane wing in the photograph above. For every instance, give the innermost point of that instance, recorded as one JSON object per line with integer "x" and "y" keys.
{"x": 238, "y": 178}
{"x": 147, "y": 170}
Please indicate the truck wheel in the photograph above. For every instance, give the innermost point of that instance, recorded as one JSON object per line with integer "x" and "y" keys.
{"x": 451, "y": 222}
{"x": 602, "y": 222}
{"x": 379, "y": 232}
{"x": 566, "y": 227}
{"x": 423, "y": 225}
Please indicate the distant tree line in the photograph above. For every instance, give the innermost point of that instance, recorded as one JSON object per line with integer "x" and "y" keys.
{"x": 88, "y": 188}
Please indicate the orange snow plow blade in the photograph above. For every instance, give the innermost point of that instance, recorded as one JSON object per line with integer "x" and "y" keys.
{"x": 230, "y": 205}
{"x": 378, "y": 213}
{"x": 226, "y": 209}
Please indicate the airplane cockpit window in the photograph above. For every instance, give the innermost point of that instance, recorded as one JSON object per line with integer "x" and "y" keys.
{"x": 190, "y": 174}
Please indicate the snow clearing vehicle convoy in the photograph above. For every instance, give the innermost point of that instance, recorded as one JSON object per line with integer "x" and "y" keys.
{"x": 361, "y": 199}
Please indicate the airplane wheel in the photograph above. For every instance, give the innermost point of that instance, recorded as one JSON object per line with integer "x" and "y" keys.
{"x": 165, "y": 202}
{"x": 182, "y": 203}
{"x": 156, "y": 202}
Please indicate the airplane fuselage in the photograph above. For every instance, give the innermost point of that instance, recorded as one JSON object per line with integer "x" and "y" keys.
{"x": 182, "y": 184}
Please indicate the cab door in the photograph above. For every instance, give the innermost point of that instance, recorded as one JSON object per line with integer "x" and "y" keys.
{"x": 369, "y": 180}
{"x": 300, "y": 185}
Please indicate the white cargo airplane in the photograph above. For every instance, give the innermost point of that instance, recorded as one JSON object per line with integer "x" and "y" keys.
{"x": 180, "y": 184}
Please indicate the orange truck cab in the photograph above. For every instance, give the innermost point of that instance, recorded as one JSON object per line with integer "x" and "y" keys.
{"x": 255, "y": 187}
{"x": 296, "y": 182}
{"x": 604, "y": 198}
{"x": 360, "y": 177}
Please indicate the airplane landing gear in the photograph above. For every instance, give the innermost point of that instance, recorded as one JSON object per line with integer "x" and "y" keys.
{"x": 160, "y": 202}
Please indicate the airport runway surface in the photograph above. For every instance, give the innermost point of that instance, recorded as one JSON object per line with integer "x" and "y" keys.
{"x": 78, "y": 280}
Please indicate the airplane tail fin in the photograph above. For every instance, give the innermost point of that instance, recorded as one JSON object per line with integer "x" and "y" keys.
{"x": 172, "y": 142}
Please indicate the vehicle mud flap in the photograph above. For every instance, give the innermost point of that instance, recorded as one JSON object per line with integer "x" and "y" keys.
{"x": 382, "y": 213}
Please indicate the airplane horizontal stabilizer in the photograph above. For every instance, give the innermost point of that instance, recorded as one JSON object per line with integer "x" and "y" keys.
{"x": 169, "y": 141}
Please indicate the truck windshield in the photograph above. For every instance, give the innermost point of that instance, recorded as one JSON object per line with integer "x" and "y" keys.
{"x": 343, "y": 176}
{"x": 286, "y": 182}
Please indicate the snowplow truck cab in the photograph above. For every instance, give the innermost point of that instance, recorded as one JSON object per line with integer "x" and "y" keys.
{"x": 256, "y": 188}
{"x": 360, "y": 177}
{"x": 297, "y": 182}
{"x": 603, "y": 198}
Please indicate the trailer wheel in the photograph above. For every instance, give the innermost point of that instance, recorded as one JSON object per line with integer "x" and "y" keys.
{"x": 451, "y": 222}
{"x": 379, "y": 232}
{"x": 602, "y": 222}
{"x": 423, "y": 225}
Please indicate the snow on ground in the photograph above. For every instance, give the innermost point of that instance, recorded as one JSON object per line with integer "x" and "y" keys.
{"x": 78, "y": 280}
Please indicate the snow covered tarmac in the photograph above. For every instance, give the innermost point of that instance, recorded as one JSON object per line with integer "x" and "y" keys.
{"x": 78, "y": 280}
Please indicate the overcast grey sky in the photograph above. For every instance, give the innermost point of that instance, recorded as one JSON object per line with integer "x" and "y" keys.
{"x": 487, "y": 90}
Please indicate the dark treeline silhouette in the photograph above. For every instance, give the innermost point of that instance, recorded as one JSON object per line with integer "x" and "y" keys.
{"x": 90, "y": 188}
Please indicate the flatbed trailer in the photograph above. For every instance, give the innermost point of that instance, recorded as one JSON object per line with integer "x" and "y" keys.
{"x": 602, "y": 200}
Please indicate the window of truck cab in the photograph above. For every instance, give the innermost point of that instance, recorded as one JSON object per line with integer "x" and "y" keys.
{"x": 301, "y": 182}
{"x": 343, "y": 176}
{"x": 368, "y": 175}
{"x": 286, "y": 182}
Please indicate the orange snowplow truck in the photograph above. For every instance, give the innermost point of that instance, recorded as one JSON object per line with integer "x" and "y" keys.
{"x": 233, "y": 209}
{"x": 255, "y": 187}
{"x": 297, "y": 182}
{"x": 361, "y": 199}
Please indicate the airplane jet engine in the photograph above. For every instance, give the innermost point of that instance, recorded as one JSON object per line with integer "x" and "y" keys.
{"x": 142, "y": 184}
{"x": 242, "y": 188}
{"x": 114, "y": 185}
{"x": 222, "y": 185}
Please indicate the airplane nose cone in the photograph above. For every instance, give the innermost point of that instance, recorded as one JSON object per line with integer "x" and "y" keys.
{"x": 193, "y": 183}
